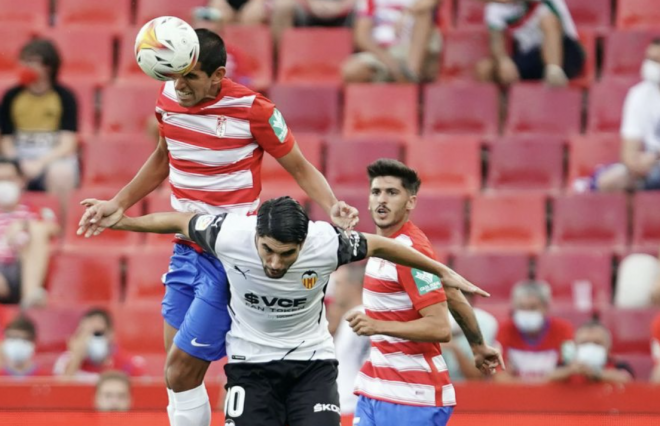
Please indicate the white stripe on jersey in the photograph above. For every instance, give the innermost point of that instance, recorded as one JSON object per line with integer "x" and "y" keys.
{"x": 379, "y": 302}
{"x": 193, "y": 206}
{"x": 209, "y": 157}
{"x": 235, "y": 128}
{"x": 241, "y": 179}
{"x": 229, "y": 102}
{"x": 399, "y": 361}
{"x": 382, "y": 270}
{"x": 383, "y": 338}
{"x": 405, "y": 393}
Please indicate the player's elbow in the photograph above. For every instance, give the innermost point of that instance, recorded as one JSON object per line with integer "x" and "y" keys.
{"x": 444, "y": 334}
{"x": 440, "y": 331}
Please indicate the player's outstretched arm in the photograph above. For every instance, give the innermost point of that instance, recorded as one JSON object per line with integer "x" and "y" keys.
{"x": 389, "y": 249}
{"x": 157, "y": 223}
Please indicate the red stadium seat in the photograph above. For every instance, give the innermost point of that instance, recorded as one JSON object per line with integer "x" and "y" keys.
{"x": 346, "y": 162}
{"x": 447, "y": 164}
{"x": 117, "y": 118}
{"x": 107, "y": 164}
{"x": 631, "y": 328}
{"x": 301, "y": 60}
{"x": 136, "y": 325}
{"x": 150, "y": 9}
{"x": 581, "y": 279}
{"x": 364, "y": 114}
{"x": 252, "y": 49}
{"x": 86, "y": 100}
{"x": 624, "y": 52}
{"x": 84, "y": 277}
{"x": 637, "y": 14}
{"x": 56, "y": 324}
{"x": 461, "y": 109}
{"x": 470, "y": 13}
{"x": 641, "y": 364}
{"x": 537, "y": 109}
{"x": 113, "y": 15}
{"x": 606, "y": 104}
{"x": 593, "y": 221}
{"x": 588, "y": 75}
{"x": 595, "y": 15}
{"x": 47, "y": 204}
{"x": 542, "y": 139}
{"x": 144, "y": 272}
{"x": 308, "y": 108}
{"x": 508, "y": 222}
{"x": 496, "y": 273}
{"x": 75, "y": 45}
{"x": 442, "y": 218}
{"x": 646, "y": 221}
{"x": 445, "y": 17}
{"x": 277, "y": 182}
{"x": 587, "y": 153}
{"x": 463, "y": 48}
{"x": 109, "y": 241}
{"x": 12, "y": 41}
{"x": 31, "y": 15}
{"x": 526, "y": 166}
{"x": 569, "y": 313}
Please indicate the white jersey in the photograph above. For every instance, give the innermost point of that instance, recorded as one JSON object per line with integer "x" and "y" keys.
{"x": 641, "y": 115}
{"x": 524, "y": 20}
{"x": 276, "y": 319}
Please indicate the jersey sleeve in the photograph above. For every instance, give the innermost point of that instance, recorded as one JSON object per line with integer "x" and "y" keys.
{"x": 269, "y": 128}
{"x": 632, "y": 125}
{"x": 6, "y": 122}
{"x": 423, "y": 288}
{"x": 494, "y": 17}
{"x": 205, "y": 231}
{"x": 352, "y": 247}
{"x": 69, "y": 121}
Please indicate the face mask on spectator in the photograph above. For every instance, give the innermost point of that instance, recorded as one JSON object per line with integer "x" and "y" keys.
{"x": 528, "y": 321}
{"x": 651, "y": 71}
{"x": 10, "y": 192}
{"x": 17, "y": 350}
{"x": 27, "y": 76}
{"x": 97, "y": 348}
{"x": 592, "y": 355}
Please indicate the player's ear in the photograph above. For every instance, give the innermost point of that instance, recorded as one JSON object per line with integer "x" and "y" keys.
{"x": 218, "y": 75}
{"x": 412, "y": 202}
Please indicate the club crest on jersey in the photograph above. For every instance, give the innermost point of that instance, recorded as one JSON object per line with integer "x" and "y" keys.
{"x": 203, "y": 222}
{"x": 309, "y": 279}
{"x": 221, "y": 127}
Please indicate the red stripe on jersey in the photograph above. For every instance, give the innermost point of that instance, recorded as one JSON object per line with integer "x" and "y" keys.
{"x": 197, "y": 168}
{"x": 202, "y": 140}
{"x": 407, "y": 315}
{"x": 408, "y": 348}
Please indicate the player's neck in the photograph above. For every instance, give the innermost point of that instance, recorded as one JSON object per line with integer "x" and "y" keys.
{"x": 392, "y": 229}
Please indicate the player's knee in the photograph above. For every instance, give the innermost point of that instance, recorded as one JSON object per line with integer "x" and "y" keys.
{"x": 485, "y": 70}
{"x": 184, "y": 372}
{"x": 356, "y": 71}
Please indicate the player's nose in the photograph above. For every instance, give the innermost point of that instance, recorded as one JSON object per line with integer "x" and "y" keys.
{"x": 179, "y": 83}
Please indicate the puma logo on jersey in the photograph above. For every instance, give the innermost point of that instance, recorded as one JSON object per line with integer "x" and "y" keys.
{"x": 241, "y": 271}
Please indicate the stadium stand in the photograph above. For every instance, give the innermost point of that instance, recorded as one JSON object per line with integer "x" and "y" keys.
{"x": 605, "y": 105}
{"x": 646, "y": 222}
{"x": 637, "y": 14}
{"x": 115, "y": 15}
{"x": 308, "y": 108}
{"x": 624, "y": 51}
{"x": 463, "y": 48}
{"x": 78, "y": 66}
{"x": 30, "y": 15}
{"x": 470, "y": 13}
{"x": 595, "y": 15}
{"x": 535, "y": 109}
{"x": 253, "y": 47}
{"x": 84, "y": 276}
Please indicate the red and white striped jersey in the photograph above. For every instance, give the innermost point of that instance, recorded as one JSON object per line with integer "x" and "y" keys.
{"x": 398, "y": 370}
{"x": 216, "y": 148}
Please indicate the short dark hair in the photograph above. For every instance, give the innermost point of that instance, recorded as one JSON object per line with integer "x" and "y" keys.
{"x": 12, "y": 162}
{"x": 46, "y": 51}
{"x": 103, "y": 313}
{"x": 25, "y": 324}
{"x": 389, "y": 167}
{"x": 212, "y": 51}
{"x": 656, "y": 41}
{"x": 113, "y": 375}
{"x": 283, "y": 219}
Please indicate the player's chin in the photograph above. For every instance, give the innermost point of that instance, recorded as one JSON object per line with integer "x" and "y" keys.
{"x": 275, "y": 274}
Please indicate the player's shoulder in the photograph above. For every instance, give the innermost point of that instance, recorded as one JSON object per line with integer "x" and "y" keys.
{"x": 320, "y": 233}
{"x": 412, "y": 236}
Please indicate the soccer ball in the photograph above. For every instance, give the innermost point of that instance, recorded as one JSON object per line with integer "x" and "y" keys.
{"x": 165, "y": 47}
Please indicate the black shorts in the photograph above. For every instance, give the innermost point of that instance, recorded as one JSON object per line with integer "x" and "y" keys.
{"x": 282, "y": 393}
{"x": 532, "y": 67}
{"x": 12, "y": 274}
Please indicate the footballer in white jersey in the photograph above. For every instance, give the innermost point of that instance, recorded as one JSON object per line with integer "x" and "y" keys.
{"x": 282, "y": 369}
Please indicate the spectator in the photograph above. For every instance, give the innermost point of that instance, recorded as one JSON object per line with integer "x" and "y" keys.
{"x": 592, "y": 361}
{"x": 311, "y": 13}
{"x": 246, "y": 12}
{"x": 92, "y": 350}
{"x": 640, "y": 131}
{"x": 637, "y": 281}
{"x": 532, "y": 342}
{"x": 17, "y": 358}
{"x": 546, "y": 45}
{"x": 24, "y": 241}
{"x": 655, "y": 349}
{"x": 38, "y": 121}
{"x": 397, "y": 41}
{"x": 113, "y": 392}
{"x": 458, "y": 354}
{"x": 352, "y": 350}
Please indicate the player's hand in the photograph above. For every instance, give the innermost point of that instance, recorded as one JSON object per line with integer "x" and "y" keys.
{"x": 79, "y": 341}
{"x": 344, "y": 216}
{"x": 487, "y": 359}
{"x": 362, "y": 325}
{"x": 555, "y": 76}
{"x": 98, "y": 216}
{"x": 452, "y": 279}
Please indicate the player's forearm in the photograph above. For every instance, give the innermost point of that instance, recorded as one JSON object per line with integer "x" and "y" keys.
{"x": 315, "y": 186}
{"x": 552, "y": 49}
{"x": 157, "y": 223}
{"x": 150, "y": 176}
{"x": 612, "y": 375}
{"x": 464, "y": 315}
{"x": 395, "y": 252}
{"x": 427, "y": 329}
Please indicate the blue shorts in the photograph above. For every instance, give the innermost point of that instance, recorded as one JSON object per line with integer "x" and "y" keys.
{"x": 195, "y": 303}
{"x": 372, "y": 412}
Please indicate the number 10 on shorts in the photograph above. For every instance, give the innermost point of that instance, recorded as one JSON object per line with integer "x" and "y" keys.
{"x": 235, "y": 401}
